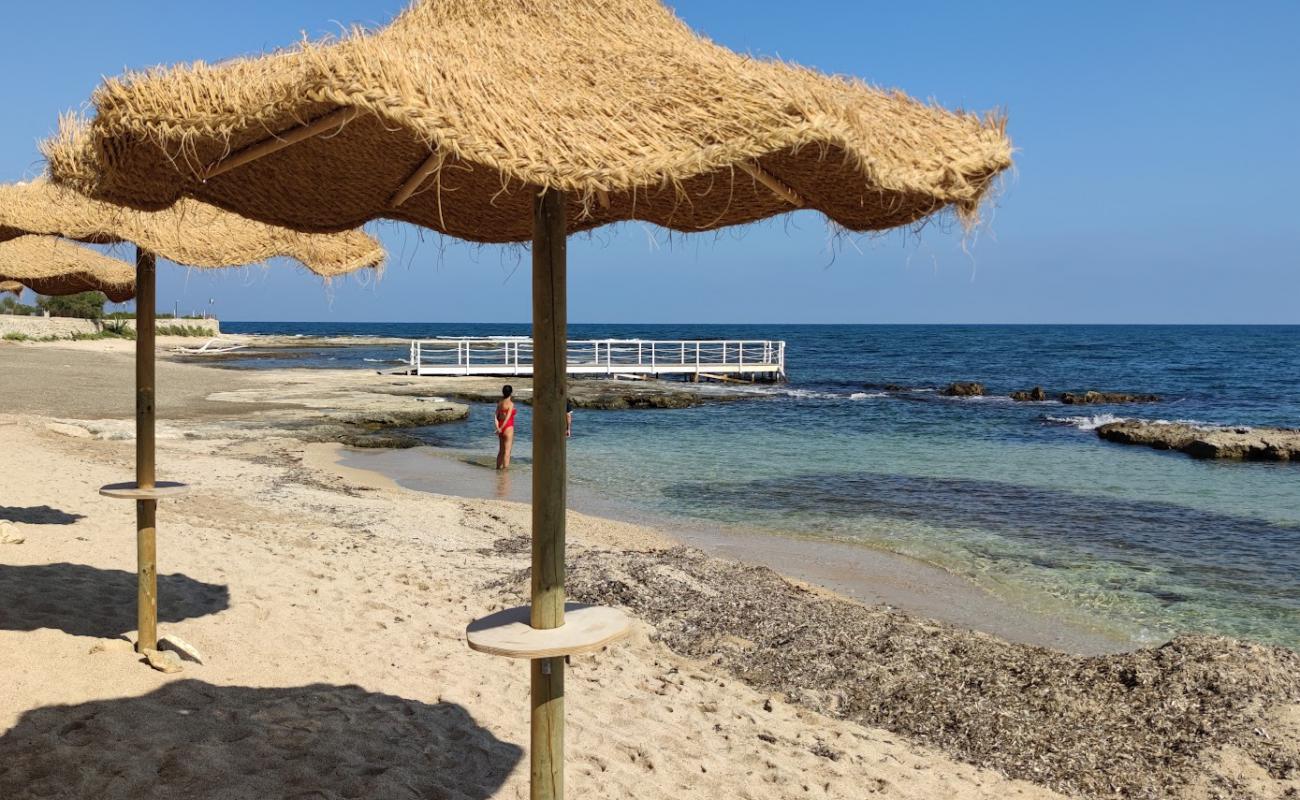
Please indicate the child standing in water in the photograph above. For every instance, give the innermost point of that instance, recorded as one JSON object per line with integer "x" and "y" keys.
{"x": 504, "y": 419}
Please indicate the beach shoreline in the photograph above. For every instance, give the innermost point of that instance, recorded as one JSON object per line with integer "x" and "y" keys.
{"x": 319, "y": 591}
{"x": 858, "y": 571}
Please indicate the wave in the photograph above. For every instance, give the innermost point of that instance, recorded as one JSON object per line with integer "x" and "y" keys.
{"x": 979, "y": 398}
{"x": 804, "y": 394}
{"x": 1089, "y": 423}
{"x": 1085, "y": 423}
{"x": 808, "y": 394}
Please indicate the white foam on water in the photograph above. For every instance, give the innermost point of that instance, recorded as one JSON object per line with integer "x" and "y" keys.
{"x": 804, "y": 394}
{"x": 979, "y": 398}
{"x": 1085, "y": 423}
{"x": 780, "y": 391}
{"x": 1088, "y": 423}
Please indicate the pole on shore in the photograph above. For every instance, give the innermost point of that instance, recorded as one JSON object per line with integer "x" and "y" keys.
{"x": 145, "y": 414}
{"x": 549, "y": 477}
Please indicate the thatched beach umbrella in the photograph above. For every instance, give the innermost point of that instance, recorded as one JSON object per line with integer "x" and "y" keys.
{"x": 505, "y": 120}
{"x": 189, "y": 233}
{"x": 192, "y": 234}
{"x": 50, "y": 266}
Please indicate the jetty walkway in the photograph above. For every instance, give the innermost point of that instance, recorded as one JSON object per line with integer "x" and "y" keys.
{"x": 715, "y": 359}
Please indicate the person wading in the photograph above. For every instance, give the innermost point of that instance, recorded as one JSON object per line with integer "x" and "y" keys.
{"x": 504, "y": 419}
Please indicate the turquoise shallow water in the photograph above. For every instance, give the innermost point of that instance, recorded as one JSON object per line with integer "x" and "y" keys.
{"x": 1023, "y": 498}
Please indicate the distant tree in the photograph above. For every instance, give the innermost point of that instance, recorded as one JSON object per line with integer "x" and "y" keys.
{"x": 87, "y": 305}
{"x": 10, "y": 305}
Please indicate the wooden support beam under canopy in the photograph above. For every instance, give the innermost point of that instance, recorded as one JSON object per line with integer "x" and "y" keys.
{"x": 334, "y": 120}
{"x": 771, "y": 182}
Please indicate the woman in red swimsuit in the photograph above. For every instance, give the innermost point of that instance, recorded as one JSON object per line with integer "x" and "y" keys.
{"x": 504, "y": 419}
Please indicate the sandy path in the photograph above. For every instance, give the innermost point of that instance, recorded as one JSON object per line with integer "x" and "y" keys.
{"x": 97, "y": 380}
{"x": 331, "y": 617}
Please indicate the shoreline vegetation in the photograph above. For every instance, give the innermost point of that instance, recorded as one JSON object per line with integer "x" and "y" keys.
{"x": 284, "y": 569}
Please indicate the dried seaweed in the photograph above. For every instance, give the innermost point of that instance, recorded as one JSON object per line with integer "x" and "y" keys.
{"x": 1138, "y": 724}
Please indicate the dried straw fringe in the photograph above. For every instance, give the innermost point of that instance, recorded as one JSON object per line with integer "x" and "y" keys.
{"x": 617, "y": 102}
{"x": 49, "y": 265}
{"x": 189, "y": 233}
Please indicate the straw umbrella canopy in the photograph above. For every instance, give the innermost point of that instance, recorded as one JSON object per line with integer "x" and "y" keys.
{"x": 475, "y": 105}
{"x": 50, "y": 266}
{"x": 190, "y": 233}
{"x": 501, "y": 121}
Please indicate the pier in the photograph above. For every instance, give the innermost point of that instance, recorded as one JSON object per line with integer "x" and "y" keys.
{"x": 711, "y": 359}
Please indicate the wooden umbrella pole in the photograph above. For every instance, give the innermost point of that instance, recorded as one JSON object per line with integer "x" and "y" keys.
{"x": 145, "y": 509}
{"x": 549, "y": 377}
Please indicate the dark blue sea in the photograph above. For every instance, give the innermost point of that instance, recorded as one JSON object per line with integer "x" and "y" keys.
{"x": 1020, "y": 497}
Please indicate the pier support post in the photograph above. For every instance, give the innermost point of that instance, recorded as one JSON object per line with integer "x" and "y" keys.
{"x": 549, "y": 477}
{"x": 145, "y": 476}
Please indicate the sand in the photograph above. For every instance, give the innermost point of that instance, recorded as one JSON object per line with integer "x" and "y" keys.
{"x": 862, "y": 573}
{"x": 329, "y": 606}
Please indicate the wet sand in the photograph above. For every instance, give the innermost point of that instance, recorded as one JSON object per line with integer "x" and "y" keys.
{"x": 862, "y": 573}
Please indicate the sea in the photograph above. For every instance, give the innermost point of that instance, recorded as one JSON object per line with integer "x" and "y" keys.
{"x": 860, "y": 446}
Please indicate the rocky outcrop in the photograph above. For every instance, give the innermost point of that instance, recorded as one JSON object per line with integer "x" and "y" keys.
{"x": 607, "y": 400}
{"x": 964, "y": 389}
{"x": 584, "y": 394}
{"x": 1034, "y": 395}
{"x": 389, "y": 415}
{"x": 604, "y": 399}
{"x": 342, "y": 407}
{"x": 1091, "y": 398}
{"x": 1241, "y": 444}
{"x": 888, "y": 387}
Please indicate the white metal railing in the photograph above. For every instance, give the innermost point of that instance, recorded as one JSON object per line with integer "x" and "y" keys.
{"x": 514, "y": 356}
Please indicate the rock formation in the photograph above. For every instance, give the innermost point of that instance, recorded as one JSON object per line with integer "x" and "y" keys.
{"x": 1034, "y": 395}
{"x": 964, "y": 389}
{"x": 1097, "y": 398}
{"x": 1243, "y": 444}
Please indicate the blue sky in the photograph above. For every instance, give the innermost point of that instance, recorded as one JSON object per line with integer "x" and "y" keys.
{"x": 1156, "y": 165}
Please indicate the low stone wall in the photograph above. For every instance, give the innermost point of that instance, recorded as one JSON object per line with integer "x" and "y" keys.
{"x": 64, "y": 328}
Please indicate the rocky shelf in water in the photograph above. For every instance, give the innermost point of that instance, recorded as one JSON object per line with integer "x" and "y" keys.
{"x": 593, "y": 394}
{"x": 1038, "y": 395}
{"x": 1088, "y": 398}
{"x": 1241, "y": 444}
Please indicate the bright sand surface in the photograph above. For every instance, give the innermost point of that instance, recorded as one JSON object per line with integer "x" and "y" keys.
{"x": 329, "y": 609}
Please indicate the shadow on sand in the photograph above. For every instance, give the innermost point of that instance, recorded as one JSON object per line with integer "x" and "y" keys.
{"x": 88, "y": 601}
{"x": 38, "y": 515}
{"x": 194, "y": 740}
